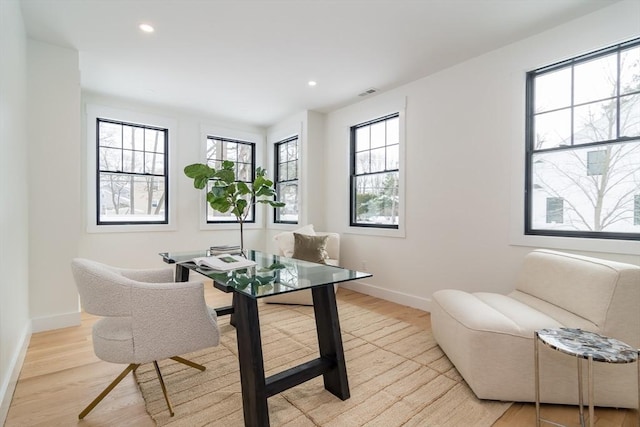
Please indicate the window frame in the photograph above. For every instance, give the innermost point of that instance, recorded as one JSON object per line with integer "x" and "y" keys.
{"x": 99, "y": 172}
{"x": 530, "y": 150}
{"x": 353, "y": 175}
{"x": 208, "y": 161}
{"x": 92, "y": 113}
{"x": 277, "y": 181}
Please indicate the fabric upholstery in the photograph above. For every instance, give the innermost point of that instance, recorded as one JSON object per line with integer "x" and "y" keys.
{"x": 144, "y": 320}
{"x": 489, "y": 337}
{"x": 310, "y": 248}
{"x": 286, "y": 242}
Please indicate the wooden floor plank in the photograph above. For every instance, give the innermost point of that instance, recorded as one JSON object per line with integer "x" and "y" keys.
{"x": 61, "y": 375}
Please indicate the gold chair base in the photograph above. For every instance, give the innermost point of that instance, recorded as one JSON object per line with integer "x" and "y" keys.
{"x": 132, "y": 367}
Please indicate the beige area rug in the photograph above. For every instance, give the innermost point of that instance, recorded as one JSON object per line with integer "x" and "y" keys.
{"x": 398, "y": 376}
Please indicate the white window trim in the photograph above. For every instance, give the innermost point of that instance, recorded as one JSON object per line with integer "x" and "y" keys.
{"x": 93, "y": 112}
{"x": 240, "y": 135}
{"x": 398, "y": 106}
{"x": 273, "y": 138}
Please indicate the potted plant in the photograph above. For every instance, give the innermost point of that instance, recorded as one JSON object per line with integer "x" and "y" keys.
{"x": 227, "y": 195}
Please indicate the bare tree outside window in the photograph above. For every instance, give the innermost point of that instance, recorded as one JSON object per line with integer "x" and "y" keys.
{"x": 132, "y": 175}
{"x": 375, "y": 154}
{"x": 584, "y": 144}
{"x": 286, "y": 180}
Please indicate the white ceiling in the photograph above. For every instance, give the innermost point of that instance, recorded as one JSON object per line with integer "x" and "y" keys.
{"x": 250, "y": 60}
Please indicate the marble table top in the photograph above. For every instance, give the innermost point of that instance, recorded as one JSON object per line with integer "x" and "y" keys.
{"x": 580, "y": 343}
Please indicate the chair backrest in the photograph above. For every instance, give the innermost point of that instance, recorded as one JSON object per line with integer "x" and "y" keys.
{"x": 607, "y": 293}
{"x": 333, "y": 244}
{"x": 103, "y": 291}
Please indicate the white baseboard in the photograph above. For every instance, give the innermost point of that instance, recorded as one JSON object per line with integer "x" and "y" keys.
{"x": 48, "y": 323}
{"x": 8, "y": 386}
{"x": 420, "y": 303}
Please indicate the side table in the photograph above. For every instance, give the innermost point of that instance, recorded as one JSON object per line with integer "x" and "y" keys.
{"x": 583, "y": 345}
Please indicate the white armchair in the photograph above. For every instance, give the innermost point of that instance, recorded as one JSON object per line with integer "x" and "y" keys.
{"x": 146, "y": 317}
{"x": 286, "y": 248}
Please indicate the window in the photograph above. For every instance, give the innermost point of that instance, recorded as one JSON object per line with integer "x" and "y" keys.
{"x": 583, "y": 146}
{"x": 242, "y": 153}
{"x": 636, "y": 210}
{"x": 375, "y": 162}
{"x": 132, "y": 173}
{"x": 286, "y": 180}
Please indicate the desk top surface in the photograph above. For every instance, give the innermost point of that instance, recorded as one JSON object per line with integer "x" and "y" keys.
{"x": 272, "y": 274}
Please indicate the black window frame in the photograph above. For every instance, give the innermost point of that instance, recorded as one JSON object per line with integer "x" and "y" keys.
{"x": 530, "y": 138}
{"x": 100, "y": 171}
{"x": 276, "y": 179}
{"x": 252, "y": 167}
{"x": 354, "y": 176}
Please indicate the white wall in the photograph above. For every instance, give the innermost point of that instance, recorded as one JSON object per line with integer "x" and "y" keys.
{"x": 54, "y": 183}
{"x": 140, "y": 249}
{"x": 14, "y": 211}
{"x": 463, "y": 127}
{"x": 310, "y": 127}
{"x": 465, "y": 169}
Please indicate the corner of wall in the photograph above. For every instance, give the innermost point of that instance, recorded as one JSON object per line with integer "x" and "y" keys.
{"x": 7, "y": 388}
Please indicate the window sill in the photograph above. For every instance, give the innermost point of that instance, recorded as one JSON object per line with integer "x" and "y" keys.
{"x": 624, "y": 247}
{"x": 132, "y": 228}
{"x": 373, "y": 231}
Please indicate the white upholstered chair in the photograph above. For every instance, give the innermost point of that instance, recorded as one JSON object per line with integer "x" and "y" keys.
{"x": 285, "y": 241}
{"x": 146, "y": 317}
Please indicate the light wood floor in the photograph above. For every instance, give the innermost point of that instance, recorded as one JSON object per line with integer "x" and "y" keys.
{"x": 61, "y": 375}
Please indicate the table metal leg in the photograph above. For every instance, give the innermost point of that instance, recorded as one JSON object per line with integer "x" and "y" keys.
{"x": 590, "y": 379}
{"x": 537, "y": 373}
{"x": 580, "y": 393}
{"x": 252, "y": 379}
{"x": 330, "y": 340}
{"x": 638, "y": 364}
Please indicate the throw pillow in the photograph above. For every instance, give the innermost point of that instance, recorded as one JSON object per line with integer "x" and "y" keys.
{"x": 286, "y": 242}
{"x": 310, "y": 248}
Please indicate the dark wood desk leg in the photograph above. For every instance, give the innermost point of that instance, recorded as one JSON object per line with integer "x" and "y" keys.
{"x": 232, "y": 318}
{"x": 252, "y": 379}
{"x": 330, "y": 340}
{"x": 182, "y": 273}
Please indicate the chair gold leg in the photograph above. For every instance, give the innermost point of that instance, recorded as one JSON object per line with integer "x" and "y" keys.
{"x": 189, "y": 363}
{"x": 131, "y": 367}
{"x": 164, "y": 389}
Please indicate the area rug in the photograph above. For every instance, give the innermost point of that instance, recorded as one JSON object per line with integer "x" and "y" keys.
{"x": 398, "y": 376}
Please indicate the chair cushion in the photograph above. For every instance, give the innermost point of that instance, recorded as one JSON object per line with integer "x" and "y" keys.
{"x": 310, "y": 248}
{"x": 113, "y": 339}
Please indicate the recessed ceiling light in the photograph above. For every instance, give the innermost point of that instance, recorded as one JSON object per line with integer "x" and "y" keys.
{"x": 312, "y": 83}
{"x": 146, "y": 28}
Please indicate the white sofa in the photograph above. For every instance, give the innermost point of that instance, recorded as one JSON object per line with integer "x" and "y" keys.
{"x": 285, "y": 242}
{"x": 489, "y": 337}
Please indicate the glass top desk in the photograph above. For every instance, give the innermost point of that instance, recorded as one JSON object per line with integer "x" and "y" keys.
{"x": 274, "y": 275}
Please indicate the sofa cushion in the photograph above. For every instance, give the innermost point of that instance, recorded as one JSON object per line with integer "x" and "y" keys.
{"x": 581, "y": 285}
{"x": 490, "y": 312}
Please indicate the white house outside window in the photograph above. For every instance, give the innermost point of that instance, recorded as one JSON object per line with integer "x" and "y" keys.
{"x": 132, "y": 173}
{"x": 242, "y": 153}
{"x": 583, "y": 146}
{"x": 375, "y": 162}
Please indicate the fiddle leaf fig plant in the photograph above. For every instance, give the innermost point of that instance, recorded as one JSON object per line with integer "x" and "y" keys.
{"x": 228, "y": 195}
